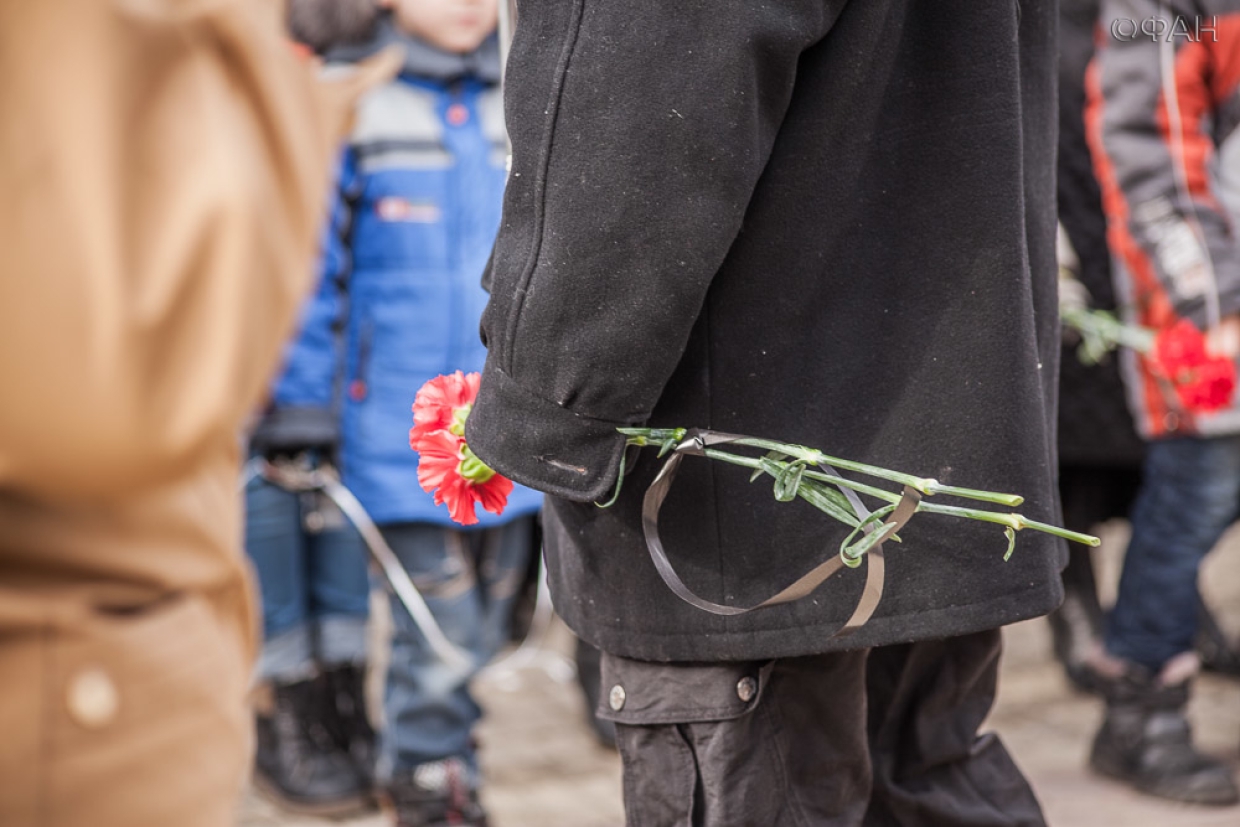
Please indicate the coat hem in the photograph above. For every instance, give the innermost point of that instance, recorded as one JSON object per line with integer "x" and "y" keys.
{"x": 795, "y": 641}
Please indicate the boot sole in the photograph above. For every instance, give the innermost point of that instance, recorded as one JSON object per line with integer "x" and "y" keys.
{"x": 336, "y": 808}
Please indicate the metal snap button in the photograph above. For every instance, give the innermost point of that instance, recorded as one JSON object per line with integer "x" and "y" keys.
{"x": 616, "y": 698}
{"x": 746, "y": 688}
{"x": 92, "y": 698}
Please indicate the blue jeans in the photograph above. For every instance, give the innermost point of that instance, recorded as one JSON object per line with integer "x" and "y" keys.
{"x": 470, "y": 580}
{"x": 314, "y": 586}
{"x": 1190, "y": 494}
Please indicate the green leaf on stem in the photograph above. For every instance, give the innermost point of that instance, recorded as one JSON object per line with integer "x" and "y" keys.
{"x": 827, "y": 499}
{"x": 788, "y": 481}
{"x": 619, "y": 481}
{"x": 775, "y": 456}
{"x": 1010, "y": 533}
{"x": 852, "y": 554}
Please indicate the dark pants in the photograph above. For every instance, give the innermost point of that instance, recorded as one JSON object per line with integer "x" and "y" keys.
{"x": 1189, "y": 496}
{"x": 877, "y": 737}
{"x": 314, "y": 586}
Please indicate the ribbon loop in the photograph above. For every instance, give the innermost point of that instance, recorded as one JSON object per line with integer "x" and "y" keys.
{"x": 695, "y": 443}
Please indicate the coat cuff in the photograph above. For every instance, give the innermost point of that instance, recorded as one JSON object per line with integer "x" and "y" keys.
{"x": 540, "y": 444}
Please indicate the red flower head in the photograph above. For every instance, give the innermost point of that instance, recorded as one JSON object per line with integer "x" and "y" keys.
{"x": 1203, "y": 383}
{"x": 443, "y": 403}
{"x": 446, "y": 466}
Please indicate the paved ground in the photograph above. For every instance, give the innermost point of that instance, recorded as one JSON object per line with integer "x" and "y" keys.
{"x": 545, "y": 770}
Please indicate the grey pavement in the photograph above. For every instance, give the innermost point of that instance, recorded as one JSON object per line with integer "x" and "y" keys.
{"x": 544, "y": 769}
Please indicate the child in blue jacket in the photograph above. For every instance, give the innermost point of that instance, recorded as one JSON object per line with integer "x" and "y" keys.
{"x": 420, "y": 189}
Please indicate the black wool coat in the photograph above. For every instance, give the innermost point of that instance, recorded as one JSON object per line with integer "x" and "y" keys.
{"x": 828, "y": 222}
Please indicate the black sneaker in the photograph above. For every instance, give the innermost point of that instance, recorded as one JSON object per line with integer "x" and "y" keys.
{"x": 346, "y": 719}
{"x": 1146, "y": 741}
{"x": 298, "y": 763}
{"x": 435, "y": 794}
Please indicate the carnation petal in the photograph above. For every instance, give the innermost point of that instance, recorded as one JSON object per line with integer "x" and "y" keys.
{"x": 493, "y": 494}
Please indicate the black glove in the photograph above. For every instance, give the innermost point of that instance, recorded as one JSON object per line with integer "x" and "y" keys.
{"x": 293, "y": 430}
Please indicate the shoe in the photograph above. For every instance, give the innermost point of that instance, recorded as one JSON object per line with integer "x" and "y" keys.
{"x": 298, "y": 763}
{"x": 1146, "y": 742}
{"x": 346, "y": 719}
{"x": 434, "y": 794}
{"x": 1218, "y": 653}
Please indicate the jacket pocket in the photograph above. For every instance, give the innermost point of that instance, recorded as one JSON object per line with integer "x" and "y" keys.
{"x": 643, "y": 693}
{"x": 668, "y": 715}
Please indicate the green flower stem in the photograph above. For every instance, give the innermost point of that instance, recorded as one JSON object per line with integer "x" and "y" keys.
{"x": 666, "y": 437}
{"x": 924, "y": 485}
{"x": 651, "y": 436}
{"x": 756, "y": 464}
{"x": 1017, "y": 522}
{"x": 1101, "y": 333}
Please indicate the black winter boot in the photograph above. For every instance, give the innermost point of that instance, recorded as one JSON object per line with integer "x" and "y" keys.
{"x": 297, "y": 762}
{"x": 346, "y": 718}
{"x": 1146, "y": 741}
{"x": 435, "y": 794}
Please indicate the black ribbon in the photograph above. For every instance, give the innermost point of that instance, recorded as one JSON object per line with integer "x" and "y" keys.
{"x": 695, "y": 443}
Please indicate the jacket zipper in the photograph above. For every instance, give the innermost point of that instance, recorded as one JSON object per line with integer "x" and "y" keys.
{"x": 357, "y": 388}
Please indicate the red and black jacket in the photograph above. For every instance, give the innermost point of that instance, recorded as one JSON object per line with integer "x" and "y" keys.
{"x": 1164, "y": 104}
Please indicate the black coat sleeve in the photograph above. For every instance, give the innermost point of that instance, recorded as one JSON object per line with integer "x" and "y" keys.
{"x": 639, "y": 131}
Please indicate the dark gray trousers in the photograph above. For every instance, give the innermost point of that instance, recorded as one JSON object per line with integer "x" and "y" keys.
{"x": 884, "y": 737}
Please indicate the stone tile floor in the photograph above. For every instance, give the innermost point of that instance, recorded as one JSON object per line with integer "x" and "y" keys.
{"x": 545, "y": 770}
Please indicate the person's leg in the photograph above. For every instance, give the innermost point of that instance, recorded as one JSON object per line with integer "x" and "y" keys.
{"x": 298, "y": 761}
{"x": 931, "y": 768}
{"x": 503, "y": 555}
{"x": 275, "y": 544}
{"x": 339, "y": 589}
{"x": 741, "y": 744}
{"x": 427, "y": 763}
{"x": 1090, "y": 495}
{"x": 1188, "y": 498}
{"x": 339, "y": 585}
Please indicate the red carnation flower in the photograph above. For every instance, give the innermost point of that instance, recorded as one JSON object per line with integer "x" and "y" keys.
{"x": 446, "y": 466}
{"x": 1203, "y": 383}
{"x": 443, "y": 403}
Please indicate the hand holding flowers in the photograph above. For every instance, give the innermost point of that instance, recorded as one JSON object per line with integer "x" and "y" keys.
{"x": 449, "y": 469}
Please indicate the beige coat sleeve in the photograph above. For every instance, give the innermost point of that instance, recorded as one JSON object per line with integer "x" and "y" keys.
{"x": 163, "y": 166}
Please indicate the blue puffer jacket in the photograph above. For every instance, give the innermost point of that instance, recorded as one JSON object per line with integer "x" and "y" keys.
{"x": 399, "y": 298}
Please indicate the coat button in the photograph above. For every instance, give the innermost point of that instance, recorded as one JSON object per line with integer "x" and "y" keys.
{"x": 746, "y": 688}
{"x": 616, "y": 698}
{"x": 92, "y": 698}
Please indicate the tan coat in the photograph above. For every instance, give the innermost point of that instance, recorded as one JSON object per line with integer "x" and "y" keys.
{"x": 163, "y": 165}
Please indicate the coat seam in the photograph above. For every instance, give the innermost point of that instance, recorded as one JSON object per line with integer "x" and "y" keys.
{"x": 540, "y": 186}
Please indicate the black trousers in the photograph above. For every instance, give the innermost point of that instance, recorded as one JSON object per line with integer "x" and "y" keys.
{"x": 885, "y": 737}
